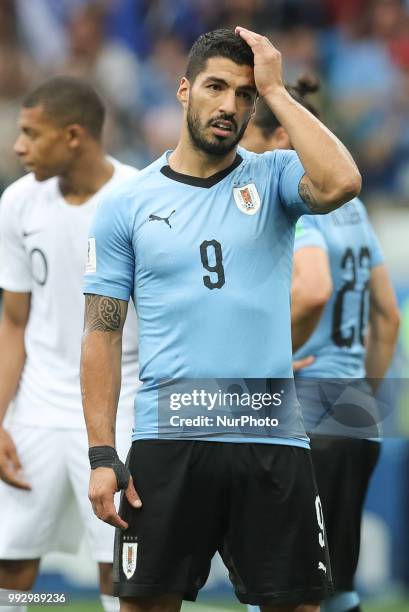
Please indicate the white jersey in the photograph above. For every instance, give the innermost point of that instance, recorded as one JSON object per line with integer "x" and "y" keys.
{"x": 43, "y": 250}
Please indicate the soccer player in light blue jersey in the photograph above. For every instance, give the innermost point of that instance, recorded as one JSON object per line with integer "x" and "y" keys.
{"x": 340, "y": 283}
{"x": 203, "y": 241}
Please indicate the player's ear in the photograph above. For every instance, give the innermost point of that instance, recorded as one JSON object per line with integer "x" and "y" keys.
{"x": 183, "y": 91}
{"x": 74, "y": 134}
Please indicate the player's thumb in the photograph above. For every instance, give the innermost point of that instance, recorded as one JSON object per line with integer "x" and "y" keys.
{"x": 131, "y": 495}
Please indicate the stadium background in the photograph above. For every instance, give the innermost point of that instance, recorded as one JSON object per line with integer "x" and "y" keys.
{"x": 134, "y": 52}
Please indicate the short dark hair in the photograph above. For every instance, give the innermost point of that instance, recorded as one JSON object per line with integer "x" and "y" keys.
{"x": 69, "y": 100}
{"x": 218, "y": 43}
{"x": 265, "y": 118}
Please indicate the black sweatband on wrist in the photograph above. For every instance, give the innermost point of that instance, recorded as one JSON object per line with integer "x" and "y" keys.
{"x": 106, "y": 456}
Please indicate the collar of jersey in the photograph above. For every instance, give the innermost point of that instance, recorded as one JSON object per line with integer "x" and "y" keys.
{"x": 197, "y": 181}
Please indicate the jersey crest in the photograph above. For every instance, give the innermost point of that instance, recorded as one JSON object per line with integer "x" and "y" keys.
{"x": 129, "y": 558}
{"x": 247, "y": 199}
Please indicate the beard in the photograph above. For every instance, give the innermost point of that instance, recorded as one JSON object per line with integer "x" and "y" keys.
{"x": 213, "y": 145}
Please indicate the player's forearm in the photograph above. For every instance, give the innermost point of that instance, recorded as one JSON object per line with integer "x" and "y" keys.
{"x": 380, "y": 350}
{"x": 307, "y": 305}
{"x": 12, "y": 359}
{"x": 333, "y": 174}
{"x": 303, "y": 325}
{"x": 378, "y": 359}
{"x": 100, "y": 386}
{"x": 101, "y": 366}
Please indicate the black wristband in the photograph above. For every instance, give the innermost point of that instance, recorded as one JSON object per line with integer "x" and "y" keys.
{"x": 106, "y": 456}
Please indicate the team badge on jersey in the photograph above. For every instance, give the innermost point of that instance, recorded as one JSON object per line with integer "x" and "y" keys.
{"x": 129, "y": 558}
{"x": 247, "y": 199}
{"x": 92, "y": 256}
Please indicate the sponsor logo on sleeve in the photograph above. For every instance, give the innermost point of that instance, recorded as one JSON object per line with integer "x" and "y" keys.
{"x": 299, "y": 229}
{"x": 91, "y": 266}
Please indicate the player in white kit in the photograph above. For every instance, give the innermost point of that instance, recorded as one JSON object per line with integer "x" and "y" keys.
{"x": 44, "y": 222}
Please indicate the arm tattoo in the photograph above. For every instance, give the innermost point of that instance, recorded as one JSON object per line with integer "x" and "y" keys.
{"x": 102, "y": 313}
{"x": 307, "y": 197}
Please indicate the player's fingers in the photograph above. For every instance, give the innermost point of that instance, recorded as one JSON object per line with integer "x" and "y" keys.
{"x": 97, "y": 508}
{"x": 107, "y": 513}
{"x": 13, "y": 478}
{"x": 249, "y": 33}
{"x": 14, "y": 458}
{"x": 132, "y": 496}
{"x": 249, "y": 37}
{"x": 300, "y": 364}
{"x": 8, "y": 451}
{"x": 104, "y": 509}
{"x": 97, "y": 503}
{"x": 252, "y": 38}
{"x": 115, "y": 520}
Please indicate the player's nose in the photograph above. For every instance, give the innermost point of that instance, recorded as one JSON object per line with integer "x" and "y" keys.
{"x": 20, "y": 147}
{"x": 228, "y": 104}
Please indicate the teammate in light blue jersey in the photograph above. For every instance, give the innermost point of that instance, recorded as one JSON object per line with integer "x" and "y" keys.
{"x": 342, "y": 251}
{"x": 339, "y": 283}
{"x": 352, "y": 251}
{"x": 203, "y": 243}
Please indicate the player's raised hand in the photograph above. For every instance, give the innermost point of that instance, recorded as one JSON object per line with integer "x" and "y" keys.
{"x": 10, "y": 466}
{"x": 268, "y": 74}
{"x": 102, "y": 487}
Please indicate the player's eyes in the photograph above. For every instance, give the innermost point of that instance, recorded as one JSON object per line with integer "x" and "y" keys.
{"x": 31, "y": 134}
{"x": 214, "y": 87}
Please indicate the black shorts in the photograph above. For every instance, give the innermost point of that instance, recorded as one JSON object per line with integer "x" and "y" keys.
{"x": 256, "y": 504}
{"x": 343, "y": 468}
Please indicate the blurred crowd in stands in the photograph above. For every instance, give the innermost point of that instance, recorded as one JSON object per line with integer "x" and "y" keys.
{"x": 134, "y": 52}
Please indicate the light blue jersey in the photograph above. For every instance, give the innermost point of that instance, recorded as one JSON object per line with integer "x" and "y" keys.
{"x": 208, "y": 264}
{"x": 353, "y": 250}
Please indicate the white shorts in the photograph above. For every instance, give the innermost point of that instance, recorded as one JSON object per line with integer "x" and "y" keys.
{"x": 53, "y": 515}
